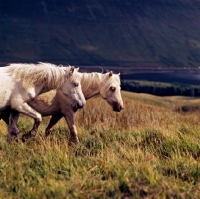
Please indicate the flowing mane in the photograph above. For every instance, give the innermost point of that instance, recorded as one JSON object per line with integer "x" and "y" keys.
{"x": 33, "y": 74}
{"x": 92, "y": 83}
{"x": 88, "y": 79}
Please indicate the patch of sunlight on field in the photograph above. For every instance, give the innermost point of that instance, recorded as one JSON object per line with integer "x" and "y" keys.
{"x": 3, "y": 129}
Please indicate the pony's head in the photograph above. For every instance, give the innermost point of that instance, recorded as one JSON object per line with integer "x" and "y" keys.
{"x": 110, "y": 90}
{"x": 72, "y": 87}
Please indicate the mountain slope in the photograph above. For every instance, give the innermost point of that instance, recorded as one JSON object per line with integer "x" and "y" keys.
{"x": 111, "y": 32}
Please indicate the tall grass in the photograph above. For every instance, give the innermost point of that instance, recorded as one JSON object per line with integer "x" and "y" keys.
{"x": 149, "y": 150}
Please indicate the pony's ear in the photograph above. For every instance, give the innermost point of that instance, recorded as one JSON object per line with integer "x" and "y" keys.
{"x": 119, "y": 74}
{"x": 110, "y": 73}
{"x": 77, "y": 69}
{"x": 71, "y": 70}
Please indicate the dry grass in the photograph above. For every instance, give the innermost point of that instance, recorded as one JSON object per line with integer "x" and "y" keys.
{"x": 149, "y": 150}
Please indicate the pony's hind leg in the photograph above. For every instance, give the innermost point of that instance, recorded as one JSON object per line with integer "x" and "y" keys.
{"x": 54, "y": 119}
{"x": 13, "y": 131}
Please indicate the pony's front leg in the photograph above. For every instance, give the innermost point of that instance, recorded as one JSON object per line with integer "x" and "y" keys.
{"x": 69, "y": 117}
{"x": 54, "y": 119}
{"x": 27, "y": 110}
{"x": 13, "y": 131}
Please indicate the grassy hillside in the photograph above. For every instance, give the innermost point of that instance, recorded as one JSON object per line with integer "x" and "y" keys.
{"x": 86, "y": 32}
{"x": 150, "y": 150}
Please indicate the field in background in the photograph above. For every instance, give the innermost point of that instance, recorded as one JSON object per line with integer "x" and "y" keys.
{"x": 149, "y": 150}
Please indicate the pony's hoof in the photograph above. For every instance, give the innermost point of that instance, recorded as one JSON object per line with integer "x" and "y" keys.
{"x": 46, "y": 134}
{"x": 73, "y": 141}
{"x": 9, "y": 139}
{"x": 16, "y": 139}
{"x": 26, "y": 137}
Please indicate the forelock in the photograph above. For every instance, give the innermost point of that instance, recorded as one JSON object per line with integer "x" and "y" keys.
{"x": 108, "y": 81}
{"x": 75, "y": 76}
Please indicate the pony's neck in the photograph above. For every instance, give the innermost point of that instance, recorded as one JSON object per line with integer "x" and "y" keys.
{"x": 90, "y": 83}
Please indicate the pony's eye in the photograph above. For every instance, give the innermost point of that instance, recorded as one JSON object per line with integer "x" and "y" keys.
{"x": 112, "y": 89}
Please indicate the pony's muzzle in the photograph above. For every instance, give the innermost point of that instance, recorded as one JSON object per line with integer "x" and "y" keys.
{"x": 117, "y": 107}
{"x": 80, "y": 105}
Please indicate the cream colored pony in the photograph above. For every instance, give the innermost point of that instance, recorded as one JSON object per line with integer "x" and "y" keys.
{"x": 58, "y": 105}
{"x": 21, "y": 83}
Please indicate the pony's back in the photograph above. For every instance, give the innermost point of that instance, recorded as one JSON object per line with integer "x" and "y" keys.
{"x": 36, "y": 73}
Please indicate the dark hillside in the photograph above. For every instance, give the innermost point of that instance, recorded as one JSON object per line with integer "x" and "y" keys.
{"x": 109, "y": 32}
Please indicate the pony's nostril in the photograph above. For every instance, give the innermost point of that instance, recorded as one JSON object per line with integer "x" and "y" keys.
{"x": 79, "y": 105}
{"x": 120, "y": 108}
{"x": 117, "y": 108}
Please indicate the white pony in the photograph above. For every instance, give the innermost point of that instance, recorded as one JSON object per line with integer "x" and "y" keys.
{"x": 21, "y": 83}
{"x": 58, "y": 105}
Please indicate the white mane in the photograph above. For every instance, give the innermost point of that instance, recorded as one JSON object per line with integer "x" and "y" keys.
{"x": 32, "y": 74}
{"x": 106, "y": 82}
{"x": 90, "y": 79}
{"x": 92, "y": 83}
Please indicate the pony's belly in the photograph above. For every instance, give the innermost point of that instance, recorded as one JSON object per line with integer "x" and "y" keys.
{"x": 45, "y": 111}
{"x": 44, "y": 108}
{"x": 6, "y": 88}
{"x": 4, "y": 99}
